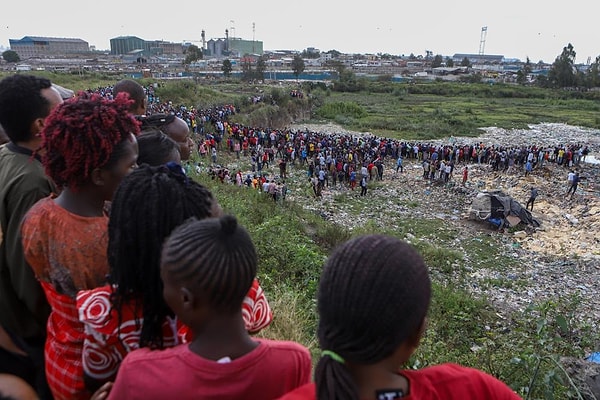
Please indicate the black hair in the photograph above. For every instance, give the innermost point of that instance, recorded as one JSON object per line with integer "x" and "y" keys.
{"x": 215, "y": 258}
{"x": 133, "y": 89}
{"x": 373, "y": 295}
{"x": 148, "y": 204}
{"x": 21, "y": 103}
{"x": 158, "y": 121}
{"x": 155, "y": 148}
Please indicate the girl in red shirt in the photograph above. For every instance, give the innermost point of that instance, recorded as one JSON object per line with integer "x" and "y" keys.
{"x": 373, "y": 299}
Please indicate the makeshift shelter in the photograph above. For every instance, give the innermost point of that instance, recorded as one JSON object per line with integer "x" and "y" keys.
{"x": 500, "y": 209}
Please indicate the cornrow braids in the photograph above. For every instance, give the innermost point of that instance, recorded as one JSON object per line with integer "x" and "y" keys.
{"x": 155, "y": 148}
{"x": 21, "y": 103}
{"x": 373, "y": 295}
{"x": 215, "y": 258}
{"x": 158, "y": 121}
{"x": 149, "y": 203}
{"x": 83, "y": 134}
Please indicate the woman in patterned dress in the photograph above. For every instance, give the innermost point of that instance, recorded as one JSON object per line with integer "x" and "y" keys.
{"x": 131, "y": 313}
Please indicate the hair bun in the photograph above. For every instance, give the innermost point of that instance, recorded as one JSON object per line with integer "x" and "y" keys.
{"x": 228, "y": 224}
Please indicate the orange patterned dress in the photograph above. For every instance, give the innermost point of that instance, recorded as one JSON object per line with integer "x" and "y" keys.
{"x": 67, "y": 253}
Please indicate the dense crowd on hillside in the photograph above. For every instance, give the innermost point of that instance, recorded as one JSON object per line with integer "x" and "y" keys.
{"x": 117, "y": 268}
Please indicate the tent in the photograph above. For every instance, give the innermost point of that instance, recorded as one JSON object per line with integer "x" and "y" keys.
{"x": 495, "y": 205}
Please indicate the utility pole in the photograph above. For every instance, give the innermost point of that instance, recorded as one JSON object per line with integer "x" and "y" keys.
{"x": 482, "y": 40}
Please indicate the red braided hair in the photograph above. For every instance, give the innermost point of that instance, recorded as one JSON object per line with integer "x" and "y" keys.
{"x": 82, "y": 134}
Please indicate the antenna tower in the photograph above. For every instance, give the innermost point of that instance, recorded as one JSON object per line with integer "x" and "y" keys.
{"x": 482, "y": 40}
{"x": 253, "y": 36}
{"x": 232, "y": 29}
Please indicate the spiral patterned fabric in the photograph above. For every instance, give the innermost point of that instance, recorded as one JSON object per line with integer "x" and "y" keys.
{"x": 256, "y": 311}
{"x": 107, "y": 342}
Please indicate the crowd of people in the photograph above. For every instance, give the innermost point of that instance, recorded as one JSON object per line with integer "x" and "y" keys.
{"x": 337, "y": 160}
{"x": 121, "y": 277}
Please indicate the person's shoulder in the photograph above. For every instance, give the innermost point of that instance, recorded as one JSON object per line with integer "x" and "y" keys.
{"x": 456, "y": 381}
{"x": 22, "y": 167}
{"x": 145, "y": 354}
{"x": 41, "y": 210}
{"x": 285, "y": 347}
{"x": 304, "y": 392}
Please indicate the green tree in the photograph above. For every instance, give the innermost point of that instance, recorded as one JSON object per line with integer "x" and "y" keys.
{"x": 297, "y": 65}
{"x": 562, "y": 73}
{"x": 261, "y": 67}
{"x": 310, "y": 54}
{"x": 437, "y": 61}
{"x": 11, "y": 56}
{"x": 593, "y": 73}
{"x": 465, "y": 62}
{"x": 227, "y": 67}
{"x": 449, "y": 62}
{"x": 247, "y": 71}
{"x": 524, "y": 72}
{"x": 192, "y": 53}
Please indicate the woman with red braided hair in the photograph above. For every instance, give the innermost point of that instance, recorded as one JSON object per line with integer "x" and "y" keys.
{"x": 88, "y": 146}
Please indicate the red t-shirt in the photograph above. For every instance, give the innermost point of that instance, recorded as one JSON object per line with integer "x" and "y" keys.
{"x": 443, "y": 382}
{"x": 272, "y": 369}
{"x": 110, "y": 337}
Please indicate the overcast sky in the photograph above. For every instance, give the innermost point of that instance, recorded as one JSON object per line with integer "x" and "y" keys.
{"x": 515, "y": 29}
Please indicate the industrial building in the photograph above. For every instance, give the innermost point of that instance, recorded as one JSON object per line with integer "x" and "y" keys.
{"x": 36, "y": 46}
{"x": 129, "y": 44}
{"x": 232, "y": 47}
{"x": 478, "y": 58}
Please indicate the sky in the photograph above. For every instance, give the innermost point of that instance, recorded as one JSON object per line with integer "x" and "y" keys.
{"x": 538, "y": 30}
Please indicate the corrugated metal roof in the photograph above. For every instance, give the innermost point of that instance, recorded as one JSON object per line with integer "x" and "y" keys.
{"x": 52, "y": 39}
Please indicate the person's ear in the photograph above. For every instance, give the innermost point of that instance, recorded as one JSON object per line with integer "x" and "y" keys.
{"x": 36, "y": 126}
{"x": 187, "y": 298}
{"x": 98, "y": 177}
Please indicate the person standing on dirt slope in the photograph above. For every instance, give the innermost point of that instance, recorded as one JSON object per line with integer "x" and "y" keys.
{"x": 528, "y": 168}
{"x": 570, "y": 176}
{"x": 574, "y": 183}
{"x": 532, "y": 196}
{"x": 363, "y": 186}
{"x": 399, "y": 164}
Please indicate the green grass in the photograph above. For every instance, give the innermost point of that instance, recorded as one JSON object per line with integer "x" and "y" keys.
{"x": 424, "y": 115}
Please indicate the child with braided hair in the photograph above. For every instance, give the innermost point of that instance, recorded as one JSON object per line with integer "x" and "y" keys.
{"x": 373, "y": 299}
{"x": 130, "y": 312}
{"x": 207, "y": 267}
{"x": 88, "y": 147}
